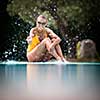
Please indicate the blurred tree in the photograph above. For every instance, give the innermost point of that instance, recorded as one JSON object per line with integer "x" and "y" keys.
{"x": 72, "y": 13}
{"x": 14, "y": 47}
{"x": 71, "y": 19}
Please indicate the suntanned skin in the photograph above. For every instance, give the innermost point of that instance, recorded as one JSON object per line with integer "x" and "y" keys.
{"x": 48, "y": 46}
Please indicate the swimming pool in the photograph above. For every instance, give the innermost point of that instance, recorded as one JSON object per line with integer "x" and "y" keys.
{"x": 49, "y": 81}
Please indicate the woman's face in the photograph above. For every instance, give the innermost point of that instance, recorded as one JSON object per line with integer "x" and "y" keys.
{"x": 41, "y": 23}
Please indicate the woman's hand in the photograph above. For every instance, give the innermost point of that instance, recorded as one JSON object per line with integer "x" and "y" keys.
{"x": 29, "y": 39}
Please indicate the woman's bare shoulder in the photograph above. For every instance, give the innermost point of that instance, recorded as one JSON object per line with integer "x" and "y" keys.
{"x": 48, "y": 30}
{"x": 33, "y": 29}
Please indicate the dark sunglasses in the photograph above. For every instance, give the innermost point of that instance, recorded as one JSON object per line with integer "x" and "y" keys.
{"x": 41, "y": 23}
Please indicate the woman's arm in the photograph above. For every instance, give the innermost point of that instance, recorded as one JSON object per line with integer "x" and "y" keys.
{"x": 55, "y": 38}
{"x": 29, "y": 38}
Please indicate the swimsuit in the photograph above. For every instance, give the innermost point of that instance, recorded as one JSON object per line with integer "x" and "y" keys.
{"x": 37, "y": 38}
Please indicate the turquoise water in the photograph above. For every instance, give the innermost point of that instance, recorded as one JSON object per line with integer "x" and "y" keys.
{"x": 49, "y": 81}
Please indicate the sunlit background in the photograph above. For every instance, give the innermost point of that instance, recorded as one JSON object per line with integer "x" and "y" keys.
{"x": 72, "y": 20}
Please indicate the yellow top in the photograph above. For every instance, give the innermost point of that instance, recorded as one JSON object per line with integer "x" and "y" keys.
{"x": 35, "y": 41}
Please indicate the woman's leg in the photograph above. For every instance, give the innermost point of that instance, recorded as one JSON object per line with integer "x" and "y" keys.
{"x": 59, "y": 51}
{"x": 52, "y": 50}
{"x": 39, "y": 51}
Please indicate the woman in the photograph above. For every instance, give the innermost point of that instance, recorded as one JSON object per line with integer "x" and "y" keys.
{"x": 43, "y": 43}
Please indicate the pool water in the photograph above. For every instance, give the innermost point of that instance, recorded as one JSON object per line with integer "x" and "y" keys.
{"x": 40, "y": 81}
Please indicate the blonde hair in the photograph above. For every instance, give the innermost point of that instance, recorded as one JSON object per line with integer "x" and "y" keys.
{"x": 42, "y": 16}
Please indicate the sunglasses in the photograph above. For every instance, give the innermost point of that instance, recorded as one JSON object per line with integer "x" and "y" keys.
{"x": 41, "y": 23}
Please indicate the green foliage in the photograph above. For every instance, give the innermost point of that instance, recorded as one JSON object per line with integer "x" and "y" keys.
{"x": 73, "y": 13}
{"x": 15, "y": 46}
{"x": 70, "y": 18}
